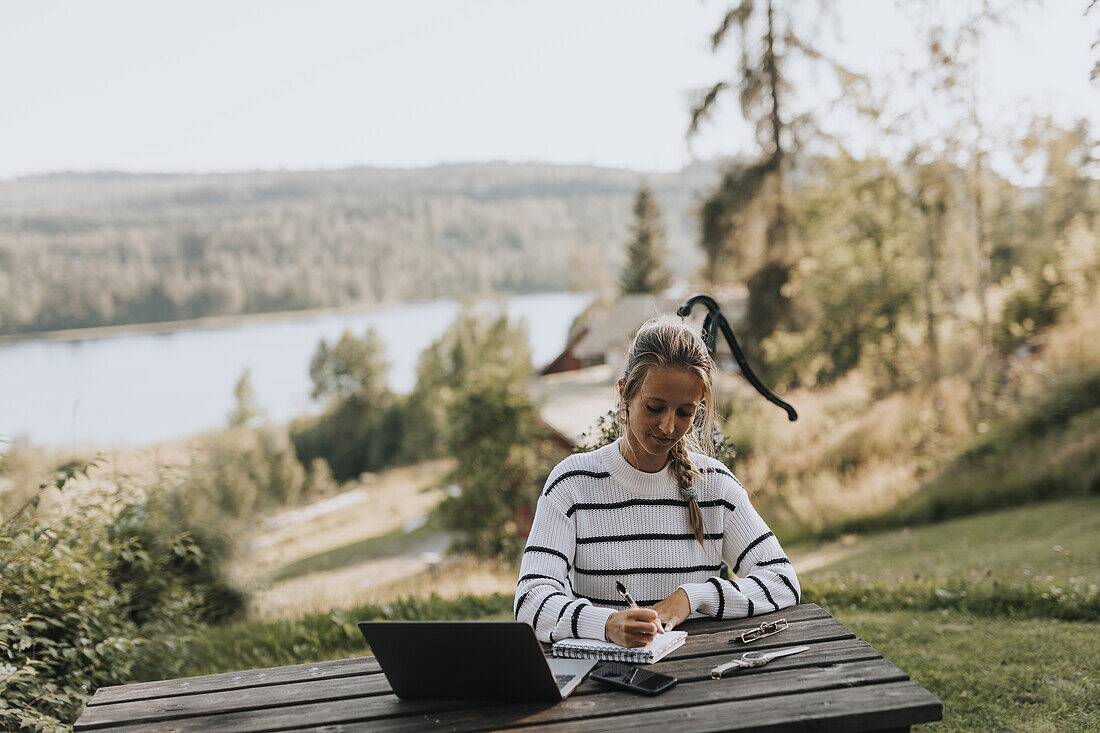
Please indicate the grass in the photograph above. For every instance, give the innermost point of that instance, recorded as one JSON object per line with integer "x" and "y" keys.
{"x": 252, "y": 644}
{"x": 854, "y": 480}
{"x": 392, "y": 543}
{"x": 992, "y": 674}
{"x": 307, "y": 534}
{"x": 1014, "y": 664}
{"x": 1037, "y": 561}
{"x": 1059, "y": 539}
{"x": 864, "y": 457}
{"x": 1051, "y": 451}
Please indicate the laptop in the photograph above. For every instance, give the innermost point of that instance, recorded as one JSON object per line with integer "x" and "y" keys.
{"x": 470, "y": 660}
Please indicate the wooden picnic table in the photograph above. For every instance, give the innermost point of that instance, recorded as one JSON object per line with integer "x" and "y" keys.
{"x": 841, "y": 683}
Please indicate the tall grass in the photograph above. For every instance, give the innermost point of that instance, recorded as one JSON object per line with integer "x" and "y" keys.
{"x": 316, "y": 637}
{"x": 857, "y": 460}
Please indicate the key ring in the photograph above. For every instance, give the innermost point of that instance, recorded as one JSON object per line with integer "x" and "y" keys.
{"x": 767, "y": 628}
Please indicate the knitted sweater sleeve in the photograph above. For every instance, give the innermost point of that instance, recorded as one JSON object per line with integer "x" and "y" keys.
{"x": 766, "y": 579}
{"x": 544, "y": 593}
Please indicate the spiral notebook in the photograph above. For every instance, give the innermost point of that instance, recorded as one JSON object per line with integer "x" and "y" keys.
{"x": 661, "y": 645}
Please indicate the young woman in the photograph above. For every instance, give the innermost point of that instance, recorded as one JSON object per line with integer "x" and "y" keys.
{"x": 650, "y": 512}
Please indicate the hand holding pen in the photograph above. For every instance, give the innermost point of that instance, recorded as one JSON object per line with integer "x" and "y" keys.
{"x": 619, "y": 586}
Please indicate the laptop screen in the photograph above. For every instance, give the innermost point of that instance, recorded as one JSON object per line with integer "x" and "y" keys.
{"x": 467, "y": 660}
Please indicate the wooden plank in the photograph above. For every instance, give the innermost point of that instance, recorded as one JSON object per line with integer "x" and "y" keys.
{"x": 252, "y": 698}
{"x": 597, "y": 711}
{"x": 822, "y": 654}
{"x": 313, "y": 713}
{"x": 387, "y": 712}
{"x": 794, "y": 615}
{"x": 869, "y": 707}
{"x": 235, "y": 680}
{"x": 807, "y": 632}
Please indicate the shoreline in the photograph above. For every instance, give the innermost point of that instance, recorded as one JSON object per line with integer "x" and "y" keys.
{"x": 188, "y": 324}
{"x": 228, "y": 321}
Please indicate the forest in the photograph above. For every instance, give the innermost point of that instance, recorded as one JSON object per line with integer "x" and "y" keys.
{"x": 79, "y": 251}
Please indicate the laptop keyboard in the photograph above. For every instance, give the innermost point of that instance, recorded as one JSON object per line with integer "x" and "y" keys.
{"x": 563, "y": 679}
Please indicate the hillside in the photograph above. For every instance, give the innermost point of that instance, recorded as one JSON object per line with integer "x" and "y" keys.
{"x": 82, "y": 250}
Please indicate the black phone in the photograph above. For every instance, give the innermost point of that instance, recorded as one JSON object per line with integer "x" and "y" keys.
{"x": 633, "y": 678}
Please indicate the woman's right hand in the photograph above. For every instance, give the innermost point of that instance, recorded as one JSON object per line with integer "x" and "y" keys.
{"x": 632, "y": 627}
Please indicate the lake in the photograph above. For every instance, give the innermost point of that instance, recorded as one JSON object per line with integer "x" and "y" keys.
{"x": 142, "y": 388}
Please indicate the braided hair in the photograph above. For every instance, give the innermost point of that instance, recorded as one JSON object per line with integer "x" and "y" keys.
{"x": 668, "y": 343}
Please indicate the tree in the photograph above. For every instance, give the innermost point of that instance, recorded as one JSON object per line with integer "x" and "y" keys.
{"x": 247, "y": 406}
{"x": 472, "y": 400}
{"x": 358, "y": 431}
{"x": 351, "y": 369}
{"x": 933, "y": 199}
{"x": 746, "y": 222}
{"x": 493, "y": 433}
{"x": 953, "y": 43}
{"x": 472, "y": 344}
{"x": 860, "y": 285}
{"x": 645, "y": 270}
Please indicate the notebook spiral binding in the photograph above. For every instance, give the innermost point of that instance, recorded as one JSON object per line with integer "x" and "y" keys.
{"x": 612, "y": 655}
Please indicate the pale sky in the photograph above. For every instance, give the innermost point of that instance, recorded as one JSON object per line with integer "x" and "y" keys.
{"x": 271, "y": 84}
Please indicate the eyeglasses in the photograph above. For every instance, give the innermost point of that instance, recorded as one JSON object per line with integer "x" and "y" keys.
{"x": 768, "y": 628}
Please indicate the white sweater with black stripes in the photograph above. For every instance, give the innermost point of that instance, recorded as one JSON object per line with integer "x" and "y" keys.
{"x": 599, "y": 520}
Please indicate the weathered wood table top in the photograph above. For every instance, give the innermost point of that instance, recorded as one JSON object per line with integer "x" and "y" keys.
{"x": 841, "y": 683}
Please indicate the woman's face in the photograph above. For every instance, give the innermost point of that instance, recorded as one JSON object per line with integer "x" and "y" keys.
{"x": 659, "y": 414}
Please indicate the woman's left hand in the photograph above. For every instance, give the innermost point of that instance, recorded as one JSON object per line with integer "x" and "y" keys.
{"x": 673, "y": 610}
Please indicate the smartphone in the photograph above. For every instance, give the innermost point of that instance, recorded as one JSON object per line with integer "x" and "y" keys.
{"x": 632, "y": 678}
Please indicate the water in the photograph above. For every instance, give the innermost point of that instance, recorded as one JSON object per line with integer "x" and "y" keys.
{"x": 142, "y": 388}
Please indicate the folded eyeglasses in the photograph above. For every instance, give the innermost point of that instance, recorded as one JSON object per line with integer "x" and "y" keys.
{"x": 768, "y": 628}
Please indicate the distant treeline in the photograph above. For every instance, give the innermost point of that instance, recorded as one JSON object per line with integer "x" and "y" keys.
{"x": 83, "y": 250}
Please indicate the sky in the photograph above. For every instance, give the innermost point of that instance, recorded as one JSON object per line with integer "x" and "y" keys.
{"x": 231, "y": 85}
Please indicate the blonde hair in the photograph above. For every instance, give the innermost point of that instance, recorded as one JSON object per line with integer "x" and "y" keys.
{"x": 671, "y": 344}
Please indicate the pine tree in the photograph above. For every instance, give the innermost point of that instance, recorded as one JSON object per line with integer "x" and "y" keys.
{"x": 645, "y": 270}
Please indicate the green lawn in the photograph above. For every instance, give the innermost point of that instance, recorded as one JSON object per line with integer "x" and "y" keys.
{"x": 1016, "y": 666}
{"x": 1038, "y": 561}
{"x": 993, "y": 674}
{"x": 1055, "y": 543}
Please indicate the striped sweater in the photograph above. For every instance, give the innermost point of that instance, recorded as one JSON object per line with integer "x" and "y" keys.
{"x": 599, "y": 520}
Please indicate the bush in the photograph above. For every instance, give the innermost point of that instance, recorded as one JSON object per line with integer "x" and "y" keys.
{"x": 472, "y": 386}
{"x": 98, "y": 595}
{"x": 244, "y": 471}
{"x": 351, "y": 438}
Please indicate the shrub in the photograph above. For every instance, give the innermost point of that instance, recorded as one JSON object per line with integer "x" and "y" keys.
{"x": 244, "y": 471}
{"x": 98, "y": 595}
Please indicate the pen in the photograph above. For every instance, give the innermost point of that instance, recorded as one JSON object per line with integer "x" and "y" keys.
{"x": 626, "y": 594}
